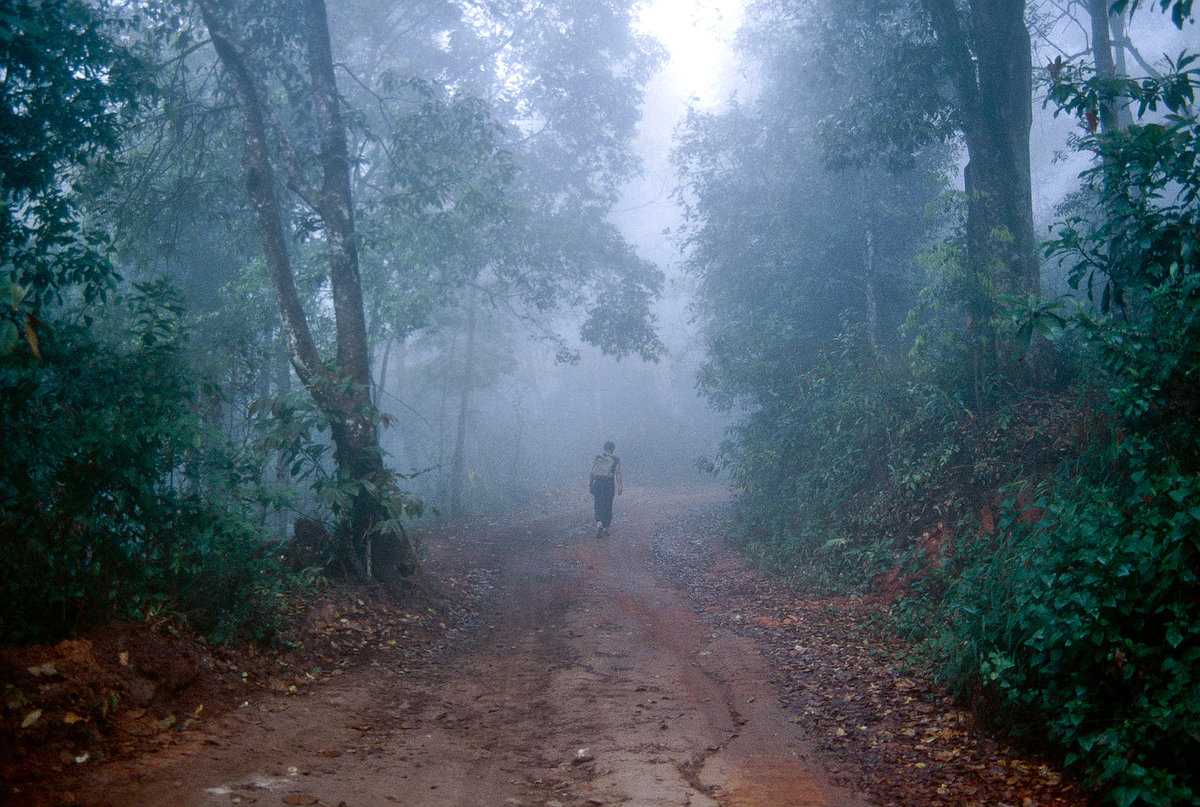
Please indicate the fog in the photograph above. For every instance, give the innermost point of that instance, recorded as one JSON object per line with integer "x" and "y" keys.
{"x": 533, "y": 422}
{"x": 281, "y": 278}
{"x": 536, "y": 425}
{"x": 515, "y": 193}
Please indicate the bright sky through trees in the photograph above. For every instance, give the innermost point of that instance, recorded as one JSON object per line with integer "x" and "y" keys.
{"x": 698, "y": 35}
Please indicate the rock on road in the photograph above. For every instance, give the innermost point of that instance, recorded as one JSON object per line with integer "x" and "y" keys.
{"x": 590, "y": 682}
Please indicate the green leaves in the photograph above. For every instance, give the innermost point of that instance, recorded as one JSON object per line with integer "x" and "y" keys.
{"x": 66, "y": 85}
{"x": 18, "y": 321}
{"x": 1181, "y": 10}
{"x": 115, "y": 493}
{"x": 1074, "y": 606}
{"x": 1034, "y": 315}
{"x": 1102, "y": 632}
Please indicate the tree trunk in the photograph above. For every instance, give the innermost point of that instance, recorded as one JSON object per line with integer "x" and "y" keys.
{"x": 1121, "y": 42}
{"x": 354, "y": 430}
{"x": 993, "y": 84}
{"x": 343, "y": 391}
{"x": 870, "y": 292}
{"x": 458, "y": 464}
{"x": 283, "y": 474}
{"x": 383, "y": 371}
{"x": 1102, "y": 54}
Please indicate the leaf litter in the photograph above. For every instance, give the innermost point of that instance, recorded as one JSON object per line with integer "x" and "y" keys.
{"x": 857, "y": 692}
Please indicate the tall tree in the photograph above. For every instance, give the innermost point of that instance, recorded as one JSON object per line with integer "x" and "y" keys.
{"x": 787, "y": 249}
{"x": 510, "y": 198}
{"x": 804, "y": 274}
{"x": 952, "y": 71}
{"x": 484, "y": 144}
{"x": 341, "y": 387}
{"x": 519, "y": 186}
{"x": 942, "y": 69}
{"x": 987, "y": 50}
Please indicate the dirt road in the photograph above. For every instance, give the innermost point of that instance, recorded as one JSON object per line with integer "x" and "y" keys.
{"x": 589, "y": 683}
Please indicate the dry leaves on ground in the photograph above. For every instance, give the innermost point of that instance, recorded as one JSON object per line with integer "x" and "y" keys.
{"x": 854, "y": 690}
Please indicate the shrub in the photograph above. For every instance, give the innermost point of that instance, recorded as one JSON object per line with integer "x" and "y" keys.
{"x": 1087, "y": 622}
{"x": 808, "y": 466}
{"x": 111, "y": 498}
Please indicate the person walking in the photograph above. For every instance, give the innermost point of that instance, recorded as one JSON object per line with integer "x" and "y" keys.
{"x": 604, "y": 481}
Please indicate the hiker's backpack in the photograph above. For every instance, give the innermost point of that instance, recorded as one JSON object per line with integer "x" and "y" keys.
{"x": 605, "y": 465}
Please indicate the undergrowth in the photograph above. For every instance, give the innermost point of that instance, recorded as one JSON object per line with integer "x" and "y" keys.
{"x": 117, "y": 499}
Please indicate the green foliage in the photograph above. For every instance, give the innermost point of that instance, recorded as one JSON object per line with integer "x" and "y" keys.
{"x": 1081, "y": 616}
{"x": 459, "y": 189}
{"x": 1145, "y": 252}
{"x": 804, "y": 275}
{"x": 954, "y": 323}
{"x": 1147, "y": 182}
{"x": 292, "y": 429}
{"x": 798, "y": 514}
{"x": 1086, "y": 622}
{"x": 1033, "y": 316}
{"x": 1072, "y": 610}
{"x": 115, "y": 498}
{"x": 1181, "y": 10}
{"x": 66, "y": 84}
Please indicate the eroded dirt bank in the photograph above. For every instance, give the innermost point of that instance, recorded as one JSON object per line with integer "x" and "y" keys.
{"x": 641, "y": 669}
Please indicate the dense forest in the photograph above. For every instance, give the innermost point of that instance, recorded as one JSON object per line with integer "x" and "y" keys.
{"x": 923, "y": 403}
{"x": 281, "y": 279}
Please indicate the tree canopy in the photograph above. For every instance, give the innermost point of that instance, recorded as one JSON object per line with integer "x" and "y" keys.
{"x": 67, "y": 84}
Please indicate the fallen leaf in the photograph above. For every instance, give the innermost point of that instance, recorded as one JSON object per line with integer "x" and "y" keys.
{"x": 31, "y": 718}
{"x": 299, "y": 799}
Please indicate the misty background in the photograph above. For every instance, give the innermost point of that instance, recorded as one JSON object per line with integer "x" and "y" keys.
{"x": 537, "y": 426}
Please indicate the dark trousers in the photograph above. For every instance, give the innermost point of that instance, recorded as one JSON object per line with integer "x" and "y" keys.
{"x": 603, "y": 488}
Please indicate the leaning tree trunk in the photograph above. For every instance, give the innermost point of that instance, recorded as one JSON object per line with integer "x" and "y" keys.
{"x": 354, "y": 430}
{"x": 342, "y": 390}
